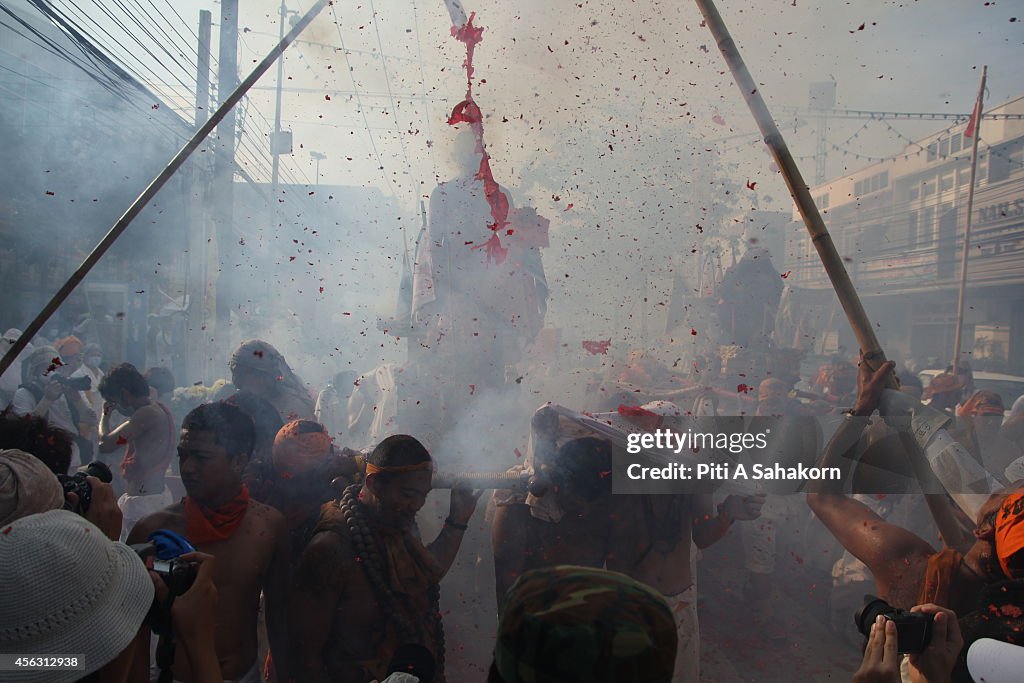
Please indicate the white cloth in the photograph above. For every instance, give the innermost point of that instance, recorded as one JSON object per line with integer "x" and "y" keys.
{"x": 330, "y": 412}
{"x": 134, "y": 508}
{"x": 92, "y": 398}
{"x": 1015, "y": 470}
{"x": 966, "y": 481}
{"x": 387, "y": 408}
{"x": 994, "y": 661}
{"x": 59, "y": 415}
{"x": 11, "y": 378}
{"x": 684, "y": 609}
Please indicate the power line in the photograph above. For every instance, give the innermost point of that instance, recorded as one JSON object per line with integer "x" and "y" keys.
{"x": 359, "y": 106}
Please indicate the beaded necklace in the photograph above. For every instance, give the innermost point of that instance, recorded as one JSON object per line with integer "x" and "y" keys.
{"x": 352, "y": 510}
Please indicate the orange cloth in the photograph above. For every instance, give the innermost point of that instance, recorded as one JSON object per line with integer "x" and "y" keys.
{"x": 209, "y": 525}
{"x": 69, "y": 346}
{"x": 1010, "y": 530}
{"x": 425, "y": 465}
{"x": 297, "y": 451}
{"x": 938, "y": 577}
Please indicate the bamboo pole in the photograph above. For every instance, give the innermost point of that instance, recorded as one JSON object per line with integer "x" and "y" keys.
{"x": 957, "y": 339}
{"x": 798, "y": 189}
{"x": 154, "y": 187}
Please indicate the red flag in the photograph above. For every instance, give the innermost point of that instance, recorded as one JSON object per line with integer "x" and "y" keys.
{"x": 972, "y": 124}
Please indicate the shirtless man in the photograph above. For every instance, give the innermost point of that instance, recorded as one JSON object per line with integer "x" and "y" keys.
{"x": 148, "y": 440}
{"x": 575, "y": 527}
{"x": 247, "y": 538}
{"x": 651, "y": 542}
{"x": 907, "y": 569}
{"x": 365, "y": 584}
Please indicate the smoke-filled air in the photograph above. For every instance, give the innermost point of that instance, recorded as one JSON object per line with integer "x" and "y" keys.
{"x": 531, "y": 342}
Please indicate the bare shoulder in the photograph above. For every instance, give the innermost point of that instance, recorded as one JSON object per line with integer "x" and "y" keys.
{"x": 325, "y": 562}
{"x": 171, "y": 518}
{"x": 266, "y": 517}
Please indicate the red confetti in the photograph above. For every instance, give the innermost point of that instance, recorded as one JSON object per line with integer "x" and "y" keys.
{"x": 472, "y": 389}
{"x": 786, "y": 275}
{"x": 718, "y": 119}
{"x": 517, "y": 452}
{"x": 121, "y": 440}
{"x": 693, "y": 332}
{"x": 1011, "y": 611}
{"x": 595, "y": 348}
{"x": 751, "y": 185}
{"x": 743, "y": 389}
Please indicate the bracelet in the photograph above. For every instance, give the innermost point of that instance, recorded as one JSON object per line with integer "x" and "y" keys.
{"x": 448, "y": 521}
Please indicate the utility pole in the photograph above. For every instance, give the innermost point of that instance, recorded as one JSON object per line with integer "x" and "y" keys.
{"x": 197, "y": 181}
{"x": 317, "y": 157}
{"x": 277, "y": 144}
{"x": 224, "y": 161}
{"x": 275, "y": 164}
{"x": 974, "y": 133}
{"x": 203, "y": 68}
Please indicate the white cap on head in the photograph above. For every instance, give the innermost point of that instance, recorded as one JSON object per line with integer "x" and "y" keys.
{"x": 994, "y": 661}
{"x": 27, "y": 486}
{"x": 88, "y": 597}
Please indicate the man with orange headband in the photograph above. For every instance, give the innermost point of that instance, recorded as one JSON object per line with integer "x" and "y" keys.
{"x": 907, "y": 569}
{"x": 247, "y": 538}
{"x": 305, "y": 463}
{"x": 365, "y": 584}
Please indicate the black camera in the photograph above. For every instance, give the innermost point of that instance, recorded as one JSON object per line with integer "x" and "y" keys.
{"x": 77, "y": 484}
{"x": 177, "y": 574}
{"x": 913, "y": 629}
{"x": 76, "y": 383}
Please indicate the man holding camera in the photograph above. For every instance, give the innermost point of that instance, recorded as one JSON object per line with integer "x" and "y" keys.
{"x": 147, "y": 438}
{"x": 47, "y": 391}
{"x": 247, "y": 538}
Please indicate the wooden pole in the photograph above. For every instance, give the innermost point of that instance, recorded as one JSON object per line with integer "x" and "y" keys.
{"x": 958, "y": 338}
{"x": 798, "y": 189}
{"x": 147, "y": 195}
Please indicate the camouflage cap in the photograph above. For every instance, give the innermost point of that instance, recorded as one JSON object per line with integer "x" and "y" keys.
{"x": 564, "y": 624}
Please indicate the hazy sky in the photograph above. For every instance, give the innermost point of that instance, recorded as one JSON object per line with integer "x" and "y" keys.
{"x": 618, "y": 120}
{"x": 561, "y": 70}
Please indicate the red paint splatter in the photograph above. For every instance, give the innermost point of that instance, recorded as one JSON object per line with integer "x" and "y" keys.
{"x": 693, "y": 332}
{"x": 568, "y": 206}
{"x": 786, "y": 275}
{"x": 743, "y": 389}
{"x": 595, "y": 348}
{"x": 468, "y": 112}
{"x": 472, "y": 389}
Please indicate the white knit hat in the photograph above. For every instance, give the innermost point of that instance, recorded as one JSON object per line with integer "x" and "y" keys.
{"x": 994, "y": 661}
{"x": 27, "y": 486}
{"x": 65, "y": 589}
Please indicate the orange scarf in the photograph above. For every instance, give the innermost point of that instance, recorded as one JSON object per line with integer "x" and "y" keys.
{"x": 210, "y": 525}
